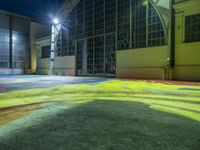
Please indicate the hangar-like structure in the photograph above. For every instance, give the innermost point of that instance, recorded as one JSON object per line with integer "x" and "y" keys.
{"x": 18, "y": 35}
{"x": 153, "y": 39}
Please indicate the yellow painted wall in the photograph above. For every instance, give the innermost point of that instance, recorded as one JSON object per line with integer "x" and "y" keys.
{"x": 43, "y": 66}
{"x": 63, "y": 65}
{"x": 65, "y": 62}
{"x": 37, "y": 31}
{"x": 187, "y": 55}
{"x": 42, "y": 63}
{"x": 148, "y": 63}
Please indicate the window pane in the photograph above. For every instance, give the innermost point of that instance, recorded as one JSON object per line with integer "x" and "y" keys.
{"x": 123, "y": 24}
{"x": 138, "y": 24}
{"x": 46, "y": 51}
{"x": 192, "y": 28}
{"x": 155, "y": 29}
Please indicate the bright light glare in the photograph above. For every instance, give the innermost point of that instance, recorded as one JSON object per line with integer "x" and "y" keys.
{"x": 55, "y": 21}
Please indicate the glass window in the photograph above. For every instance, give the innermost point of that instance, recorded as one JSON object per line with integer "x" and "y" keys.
{"x": 65, "y": 43}
{"x": 96, "y": 22}
{"x": 90, "y": 56}
{"x": 71, "y": 30}
{"x": 89, "y": 17}
{"x": 110, "y": 16}
{"x": 156, "y": 35}
{"x": 99, "y": 17}
{"x": 80, "y": 55}
{"x": 110, "y": 58}
{"x": 138, "y": 24}
{"x": 99, "y": 55}
{"x": 80, "y": 29}
{"x": 45, "y": 53}
{"x": 192, "y": 28}
{"x": 123, "y": 24}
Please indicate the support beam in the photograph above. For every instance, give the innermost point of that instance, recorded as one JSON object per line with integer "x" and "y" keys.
{"x": 10, "y": 43}
{"x": 52, "y": 55}
{"x": 54, "y": 34}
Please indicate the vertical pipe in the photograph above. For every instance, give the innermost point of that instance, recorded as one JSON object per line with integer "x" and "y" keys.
{"x": 31, "y": 54}
{"x": 130, "y": 13}
{"x": 116, "y": 25}
{"x": 84, "y": 53}
{"x": 11, "y": 42}
{"x": 75, "y": 44}
{"x": 172, "y": 36}
{"x": 147, "y": 22}
{"x": 116, "y": 35}
{"x": 171, "y": 47}
{"x": 93, "y": 38}
{"x": 104, "y": 47}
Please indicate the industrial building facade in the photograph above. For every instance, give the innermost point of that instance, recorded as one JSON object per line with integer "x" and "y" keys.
{"x": 17, "y": 35}
{"x": 14, "y": 42}
{"x": 154, "y": 39}
{"x": 96, "y": 29}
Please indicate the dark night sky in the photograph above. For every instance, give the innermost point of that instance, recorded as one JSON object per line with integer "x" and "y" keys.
{"x": 39, "y": 10}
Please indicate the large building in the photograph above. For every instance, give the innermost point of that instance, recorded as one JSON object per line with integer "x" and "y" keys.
{"x": 151, "y": 39}
{"x": 17, "y": 43}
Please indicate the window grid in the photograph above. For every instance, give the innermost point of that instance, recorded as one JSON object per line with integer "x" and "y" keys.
{"x": 64, "y": 44}
{"x": 89, "y": 25}
{"x": 80, "y": 47}
{"x": 99, "y": 17}
{"x": 45, "y": 53}
{"x": 99, "y": 55}
{"x": 80, "y": 20}
{"x": 89, "y": 19}
{"x": 123, "y": 17}
{"x": 110, "y": 58}
{"x": 155, "y": 30}
{"x": 192, "y": 28}
{"x": 110, "y": 16}
{"x": 66, "y": 39}
{"x": 90, "y": 56}
{"x": 138, "y": 24}
{"x": 71, "y": 30}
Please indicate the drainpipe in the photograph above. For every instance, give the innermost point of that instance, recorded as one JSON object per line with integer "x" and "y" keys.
{"x": 171, "y": 45}
{"x": 10, "y": 43}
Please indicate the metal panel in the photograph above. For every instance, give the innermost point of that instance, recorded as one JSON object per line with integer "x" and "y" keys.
{"x": 20, "y": 43}
{"x": 4, "y": 41}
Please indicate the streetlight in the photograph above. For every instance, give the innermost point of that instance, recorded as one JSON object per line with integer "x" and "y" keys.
{"x": 55, "y": 21}
{"x": 54, "y": 33}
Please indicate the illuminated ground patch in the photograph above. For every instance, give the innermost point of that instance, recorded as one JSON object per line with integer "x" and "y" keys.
{"x": 98, "y": 113}
{"x": 8, "y": 114}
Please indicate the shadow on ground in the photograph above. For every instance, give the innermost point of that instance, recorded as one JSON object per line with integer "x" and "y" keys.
{"x": 106, "y": 125}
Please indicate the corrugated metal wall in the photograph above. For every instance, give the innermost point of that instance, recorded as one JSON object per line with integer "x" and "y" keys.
{"x": 14, "y": 42}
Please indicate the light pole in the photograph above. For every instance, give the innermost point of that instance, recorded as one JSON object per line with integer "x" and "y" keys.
{"x": 54, "y": 33}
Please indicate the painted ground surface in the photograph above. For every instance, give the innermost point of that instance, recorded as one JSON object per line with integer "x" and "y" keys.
{"x": 50, "y": 113}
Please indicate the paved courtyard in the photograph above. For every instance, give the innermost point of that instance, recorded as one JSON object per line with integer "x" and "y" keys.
{"x": 53, "y": 112}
